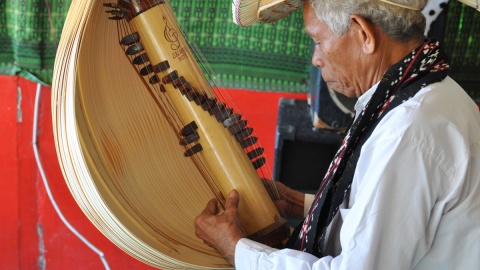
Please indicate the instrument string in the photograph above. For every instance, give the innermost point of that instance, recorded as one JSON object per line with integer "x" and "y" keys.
{"x": 199, "y": 163}
{"x": 217, "y": 91}
{"x": 217, "y": 86}
{"x": 221, "y": 92}
{"x": 164, "y": 104}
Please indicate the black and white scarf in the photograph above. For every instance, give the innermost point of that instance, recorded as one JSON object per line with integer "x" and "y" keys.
{"x": 425, "y": 65}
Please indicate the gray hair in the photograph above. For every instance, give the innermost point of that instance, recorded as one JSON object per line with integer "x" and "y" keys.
{"x": 399, "y": 23}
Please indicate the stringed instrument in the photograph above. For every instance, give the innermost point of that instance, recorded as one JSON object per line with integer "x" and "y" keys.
{"x": 145, "y": 138}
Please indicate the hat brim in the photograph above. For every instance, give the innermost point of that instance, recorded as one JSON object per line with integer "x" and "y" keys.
{"x": 247, "y": 12}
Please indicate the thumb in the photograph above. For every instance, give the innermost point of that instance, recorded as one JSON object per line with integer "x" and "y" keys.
{"x": 232, "y": 200}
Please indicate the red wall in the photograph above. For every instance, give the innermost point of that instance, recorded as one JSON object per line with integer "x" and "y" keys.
{"x": 32, "y": 236}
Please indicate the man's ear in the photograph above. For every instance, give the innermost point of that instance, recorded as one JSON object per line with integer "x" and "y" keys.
{"x": 365, "y": 32}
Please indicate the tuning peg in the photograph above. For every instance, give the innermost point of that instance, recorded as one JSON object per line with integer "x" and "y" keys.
{"x": 192, "y": 151}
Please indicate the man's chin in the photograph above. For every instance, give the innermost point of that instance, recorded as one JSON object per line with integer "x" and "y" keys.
{"x": 335, "y": 87}
{"x": 340, "y": 89}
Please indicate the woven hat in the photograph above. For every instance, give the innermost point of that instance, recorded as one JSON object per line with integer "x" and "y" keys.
{"x": 247, "y": 12}
{"x": 473, "y": 3}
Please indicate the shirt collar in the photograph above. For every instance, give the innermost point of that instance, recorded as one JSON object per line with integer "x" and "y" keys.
{"x": 364, "y": 99}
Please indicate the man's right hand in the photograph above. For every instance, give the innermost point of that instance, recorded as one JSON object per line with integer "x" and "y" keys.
{"x": 289, "y": 202}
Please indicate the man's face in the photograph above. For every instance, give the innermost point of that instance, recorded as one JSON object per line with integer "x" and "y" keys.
{"x": 336, "y": 55}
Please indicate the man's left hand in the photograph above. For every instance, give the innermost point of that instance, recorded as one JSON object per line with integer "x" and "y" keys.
{"x": 222, "y": 232}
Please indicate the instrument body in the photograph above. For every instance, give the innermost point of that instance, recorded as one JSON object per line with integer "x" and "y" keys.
{"x": 121, "y": 137}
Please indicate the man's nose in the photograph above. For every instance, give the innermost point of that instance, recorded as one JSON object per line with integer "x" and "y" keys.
{"x": 317, "y": 60}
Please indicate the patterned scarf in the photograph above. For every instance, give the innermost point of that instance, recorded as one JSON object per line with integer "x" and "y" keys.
{"x": 423, "y": 66}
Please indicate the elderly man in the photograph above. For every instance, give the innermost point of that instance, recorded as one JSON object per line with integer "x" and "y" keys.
{"x": 403, "y": 191}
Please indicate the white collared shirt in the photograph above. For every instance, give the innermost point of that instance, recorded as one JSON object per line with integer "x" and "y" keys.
{"x": 359, "y": 106}
{"x": 415, "y": 196}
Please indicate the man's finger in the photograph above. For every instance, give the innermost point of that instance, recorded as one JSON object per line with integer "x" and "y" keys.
{"x": 232, "y": 200}
{"x": 211, "y": 208}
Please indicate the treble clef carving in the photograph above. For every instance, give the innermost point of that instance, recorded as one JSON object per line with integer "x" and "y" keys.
{"x": 171, "y": 35}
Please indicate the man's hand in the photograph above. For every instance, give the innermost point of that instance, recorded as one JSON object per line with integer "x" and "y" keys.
{"x": 289, "y": 202}
{"x": 222, "y": 232}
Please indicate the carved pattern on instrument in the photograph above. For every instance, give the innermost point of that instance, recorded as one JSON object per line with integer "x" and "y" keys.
{"x": 171, "y": 35}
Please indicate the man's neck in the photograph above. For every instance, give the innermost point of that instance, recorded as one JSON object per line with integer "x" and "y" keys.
{"x": 388, "y": 53}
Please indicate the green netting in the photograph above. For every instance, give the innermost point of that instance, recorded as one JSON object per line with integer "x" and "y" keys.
{"x": 272, "y": 57}
{"x": 28, "y": 37}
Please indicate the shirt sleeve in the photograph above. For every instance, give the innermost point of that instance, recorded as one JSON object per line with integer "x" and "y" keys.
{"x": 252, "y": 255}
